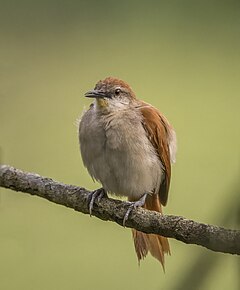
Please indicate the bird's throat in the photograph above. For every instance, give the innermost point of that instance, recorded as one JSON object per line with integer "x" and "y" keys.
{"x": 102, "y": 103}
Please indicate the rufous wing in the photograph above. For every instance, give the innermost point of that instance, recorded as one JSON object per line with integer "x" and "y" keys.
{"x": 158, "y": 131}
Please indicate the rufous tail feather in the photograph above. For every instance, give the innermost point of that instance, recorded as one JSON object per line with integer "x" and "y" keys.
{"x": 155, "y": 244}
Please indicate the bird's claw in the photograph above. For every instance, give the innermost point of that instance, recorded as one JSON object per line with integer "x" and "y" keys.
{"x": 96, "y": 194}
{"x": 134, "y": 205}
{"x": 131, "y": 207}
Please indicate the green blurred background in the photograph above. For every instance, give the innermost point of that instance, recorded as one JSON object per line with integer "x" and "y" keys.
{"x": 181, "y": 56}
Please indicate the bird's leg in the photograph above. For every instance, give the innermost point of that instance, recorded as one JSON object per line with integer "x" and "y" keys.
{"x": 134, "y": 205}
{"x": 99, "y": 193}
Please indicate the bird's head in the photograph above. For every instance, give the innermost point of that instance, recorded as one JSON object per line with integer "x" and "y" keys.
{"x": 112, "y": 94}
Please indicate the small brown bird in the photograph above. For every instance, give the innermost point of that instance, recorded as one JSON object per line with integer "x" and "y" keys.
{"x": 128, "y": 146}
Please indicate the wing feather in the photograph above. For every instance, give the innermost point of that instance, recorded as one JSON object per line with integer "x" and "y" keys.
{"x": 160, "y": 134}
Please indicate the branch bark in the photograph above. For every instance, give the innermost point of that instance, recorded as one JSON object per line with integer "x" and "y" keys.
{"x": 188, "y": 231}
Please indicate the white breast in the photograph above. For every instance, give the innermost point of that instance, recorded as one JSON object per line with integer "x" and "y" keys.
{"x": 117, "y": 152}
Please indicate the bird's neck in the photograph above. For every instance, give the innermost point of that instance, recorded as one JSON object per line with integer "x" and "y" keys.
{"x": 112, "y": 106}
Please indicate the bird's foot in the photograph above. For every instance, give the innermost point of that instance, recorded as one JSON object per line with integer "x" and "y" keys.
{"x": 134, "y": 205}
{"x": 96, "y": 194}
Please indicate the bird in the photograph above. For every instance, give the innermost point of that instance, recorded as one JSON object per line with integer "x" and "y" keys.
{"x": 128, "y": 146}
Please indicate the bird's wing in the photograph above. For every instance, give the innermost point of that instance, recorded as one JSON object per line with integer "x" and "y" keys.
{"x": 160, "y": 134}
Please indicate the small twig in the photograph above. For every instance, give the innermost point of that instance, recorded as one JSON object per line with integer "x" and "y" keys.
{"x": 188, "y": 231}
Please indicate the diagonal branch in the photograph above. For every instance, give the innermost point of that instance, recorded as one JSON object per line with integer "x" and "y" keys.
{"x": 188, "y": 231}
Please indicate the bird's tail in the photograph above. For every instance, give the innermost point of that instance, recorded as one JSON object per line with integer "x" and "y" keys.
{"x": 155, "y": 244}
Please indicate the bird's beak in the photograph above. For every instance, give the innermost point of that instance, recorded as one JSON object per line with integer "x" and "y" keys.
{"x": 95, "y": 94}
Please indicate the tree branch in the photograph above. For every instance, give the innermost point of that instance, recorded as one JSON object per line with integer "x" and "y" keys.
{"x": 188, "y": 231}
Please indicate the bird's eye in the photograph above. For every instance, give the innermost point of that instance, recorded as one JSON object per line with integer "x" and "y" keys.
{"x": 117, "y": 92}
